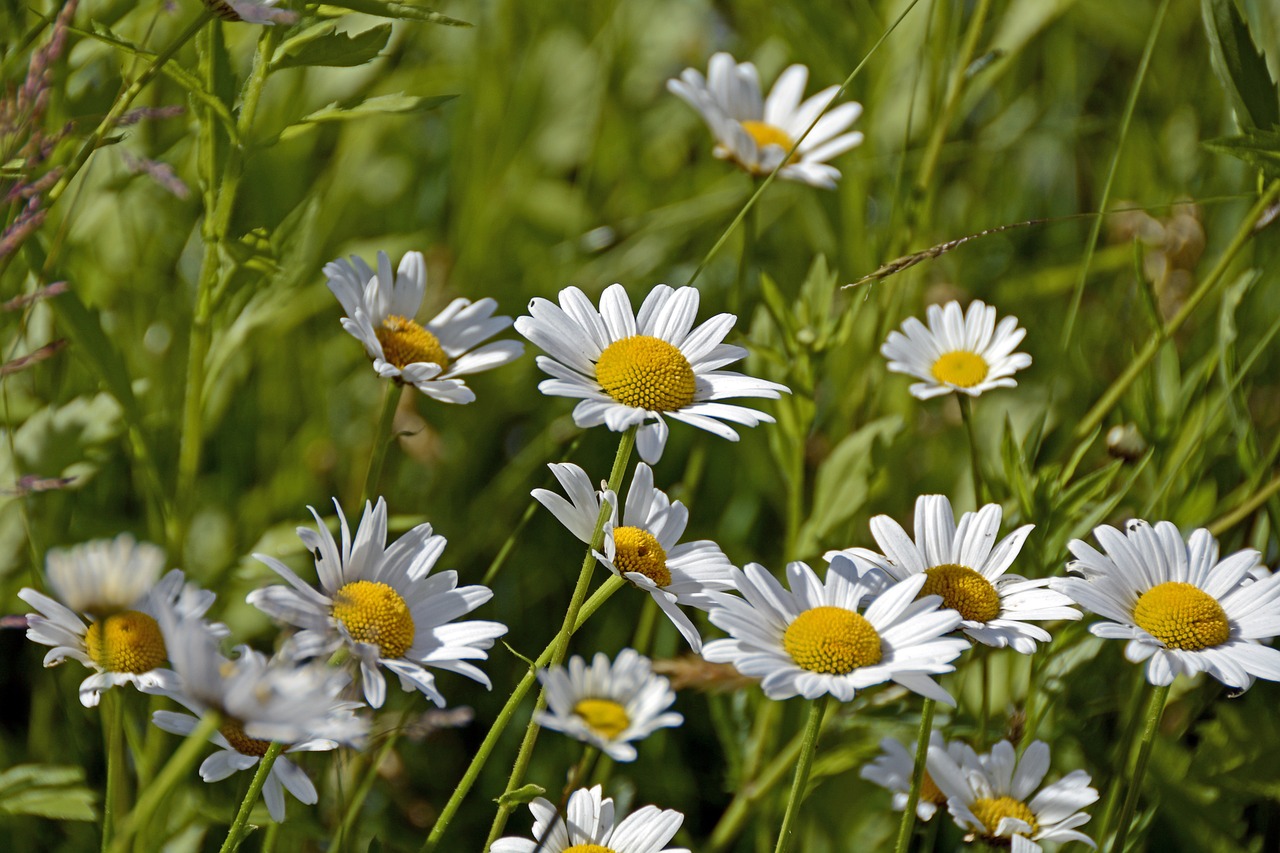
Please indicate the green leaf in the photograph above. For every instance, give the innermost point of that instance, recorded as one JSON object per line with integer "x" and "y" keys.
{"x": 404, "y": 11}
{"x": 45, "y": 790}
{"x": 1240, "y": 67}
{"x": 522, "y": 795}
{"x": 842, "y": 484}
{"x": 776, "y": 304}
{"x": 323, "y": 45}
{"x": 1258, "y": 148}
{"x": 381, "y": 104}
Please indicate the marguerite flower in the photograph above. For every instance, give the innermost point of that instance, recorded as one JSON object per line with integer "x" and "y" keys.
{"x": 1177, "y": 604}
{"x": 812, "y": 640}
{"x": 967, "y": 352}
{"x": 633, "y": 370}
{"x": 759, "y": 134}
{"x": 383, "y": 604}
{"x": 893, "y": 767}
{"x": 644, "y": 548}
{"x": 380, "y": 310}
{"x": 967, "y": 568}
{"x": 608, "y": 705}
{"x": 988, "y": 796}
{"x": 588, "y": 827}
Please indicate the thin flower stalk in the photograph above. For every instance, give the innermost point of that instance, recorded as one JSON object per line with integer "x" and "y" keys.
{"x": 382, "y": 439}
{"x": 1155, "y": 710}
{"x": 813, "y": 727}
{"x": 908, "y": 822}
{"x": 251, "y": 797}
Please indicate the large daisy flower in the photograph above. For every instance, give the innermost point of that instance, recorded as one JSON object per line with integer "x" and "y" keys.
{"x": 893, "y": 768}
{"x": 380, "y": 309}
{"x": 964, "y": 352}
{"x": 634, "y": 370}
{"x": 608, "y": 705}
{"x": 383, "y": 604}
{"x": 965, "y": 565}
{"x": 813, "y": 640}
{"x": 1179, "y": 606}
{"x": 588, "y": 825}
{"x": 758, "y": 134}
{"x": 988, "y": 796}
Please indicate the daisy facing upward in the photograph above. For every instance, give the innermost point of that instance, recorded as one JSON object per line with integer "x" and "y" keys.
{"x": 962, "y": 352}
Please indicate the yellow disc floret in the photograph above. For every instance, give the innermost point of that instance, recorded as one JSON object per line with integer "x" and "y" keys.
{"x": 637, "y": 550}
{"x": 992, "y": 810}
{"x": 831, "y": 640}
{"x": 605, "y": 717}
{"x": 766, "y": 134}
{"x": 375, "y": 613}
{"x": 963, "y": 590}
{"x": 404, "y": 342}
{"x": 588, "y": 848}
{"x": 930, "y": 792}
{"x": 960, "y": 368}
{"x": 233, "y": 730}
{"x": 128, "y": 641}
{"x": 647, "y": 373}
{"x": 1182, "y": 616}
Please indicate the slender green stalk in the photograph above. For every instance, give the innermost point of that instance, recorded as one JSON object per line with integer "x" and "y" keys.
{"x": 975, "y": 465}
{"x": 766, "y": 721}
{"x": 251, "y": 797}
{"x": 581, "y": 772}
{"x": 382, "y": 439}
{"x": 642, "y": 639}
{"x": 917, "y": 778}
{"x": 817, "y": 708}
{"x": 1155, "y": 709}
{"x": 361, "y": 792}
{"x": 984, "y": 722}
{"x": 113, "y": 738}
{"x": 1120, "y": 759}
{"x": 749, "y": 792}
{"x": 1247, "y": 508}
{"x": 739, "y": 295}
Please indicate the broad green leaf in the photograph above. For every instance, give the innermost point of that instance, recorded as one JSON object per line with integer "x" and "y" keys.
{"x": 323, "y": 45}
{"x": 1258, "y": 148}
{"x": 1240, "y": 67}
{"x": 46, "y": 790}
{"x": 404, "y": 11}
{"x": 841, "y": 486}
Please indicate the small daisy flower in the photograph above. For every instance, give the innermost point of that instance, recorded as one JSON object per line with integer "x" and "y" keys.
{"x": 812, "y": 640}
{"x": 382, "y": 604}
{"x": 966, "y": 352}
{"x": 608, "y": 705}
{"x": 967, "y": 568}
{"x": 634, "y": 370}
{"x": 893, "y": 768}
{"x": 588, "y": 827}
{"x": 380, "y": 309}
{"x": 1179, "y": 606}
{"x": 758, "y": 133}
{"x": 988, "y": 796}
{"x": 643, "y": 549}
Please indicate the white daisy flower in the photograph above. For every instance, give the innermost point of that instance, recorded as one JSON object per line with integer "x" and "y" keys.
{"x": 607, "y": 705}
{"x": 110, "y": 598}
{"x": 966, "y": 352}
{"x": 380, "y": 309}
{"x": 893, "y": 768}
{"x": 1177, "y": 604}
{"x": 588, "y": 827}
{"x": 812, "y": 640}
{"x": 633, "y": 370}
{"x": 643, "y": 549}
{"x": 965, "y": 565}
{"x": 382, "y": 604}
{"x": 988, "y": 796}
{"x": 757, "y": 134}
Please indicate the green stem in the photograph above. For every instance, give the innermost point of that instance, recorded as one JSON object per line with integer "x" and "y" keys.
{"x": 966, "y": 415}
{"x": 382, "y": 439}
{"x": 739, "y": 295}
{"x": 749, "y": 792}
{"x": 361, "y": 792}
{"x": 817, "y": 709}
{"x": 113, "y": 737}
{"x": 643, "y": 637}
{"x": 917, "y": 778}
{"x": 766, "y": 720}
{"x": 1120, "y": 759}
{"x": 1155, "y": 709}
{"x": 1247, "y": 508}
{"x": 984, "y": 723}
{"x": 251, "y": 797}
{"x": 581, "y": 771}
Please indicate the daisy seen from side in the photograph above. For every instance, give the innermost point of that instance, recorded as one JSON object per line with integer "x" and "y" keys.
{"x": 964, "y": 352}
{"x": 589, "y": 825}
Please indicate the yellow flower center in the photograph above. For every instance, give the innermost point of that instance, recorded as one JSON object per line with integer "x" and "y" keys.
{"x": 930, "y": 792}
{"x": 375, "y": 613}
{"x": 603, "y": 716}
{"x": 963, "y": 590}
{"x": 404, "y": 342}
{"x": 768, "y": 134}
{"x": 831, "y": 640}
{"x": 588, "y": 848}
{"x": 646, "y": 373}
{"x": 637, "y": 550}
{"x": 1182, "y": 617}
{"x": 992, "y": 810}
{"x": 960, "y": 368}
{"x": 128, "y": 641}
{"x": 233, "y": 730}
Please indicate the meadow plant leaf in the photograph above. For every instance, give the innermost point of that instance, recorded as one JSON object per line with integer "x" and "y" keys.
{"x": 323, "y": 45}
{"x": 1239, "y": 66}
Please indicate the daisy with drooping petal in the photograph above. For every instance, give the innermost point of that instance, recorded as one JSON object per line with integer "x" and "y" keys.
{"x": 988, "y": 796}
{"x": 643, "y": 549}
{"x": 1179, "y": 606}
{"x": 637, "y": 370}
{"x": 963, "y": 352}
{"x": 380, "y": 309}
{"x": 965, "y": 565}
{"x": 893, "y": 767}
{"x": 383, "y": 604}
{"x": 608, "y": 705}
{"x": 813, "y": 640}
{"x": 588, "y": 826}
{"x": 758, "y": 133}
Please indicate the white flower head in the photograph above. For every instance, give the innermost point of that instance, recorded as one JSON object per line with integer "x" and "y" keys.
{"x": 589, "y": 824}
{"x": 758, "y": 133}
{"x": 383, "y": 604}
{"x": 963, "y": 352}
{"x": 892, "y": 770}
{"x": 967, "y": 567}
{"x": 608, "y": 705}
{"x": 637, "y": 370}
{"x": 1181, "y": 608}
{"x": 645, "y": 548}
{"x": 991, "y": 796}
{"x": 812, "y": 640}
{"x": 380, "y": 310}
